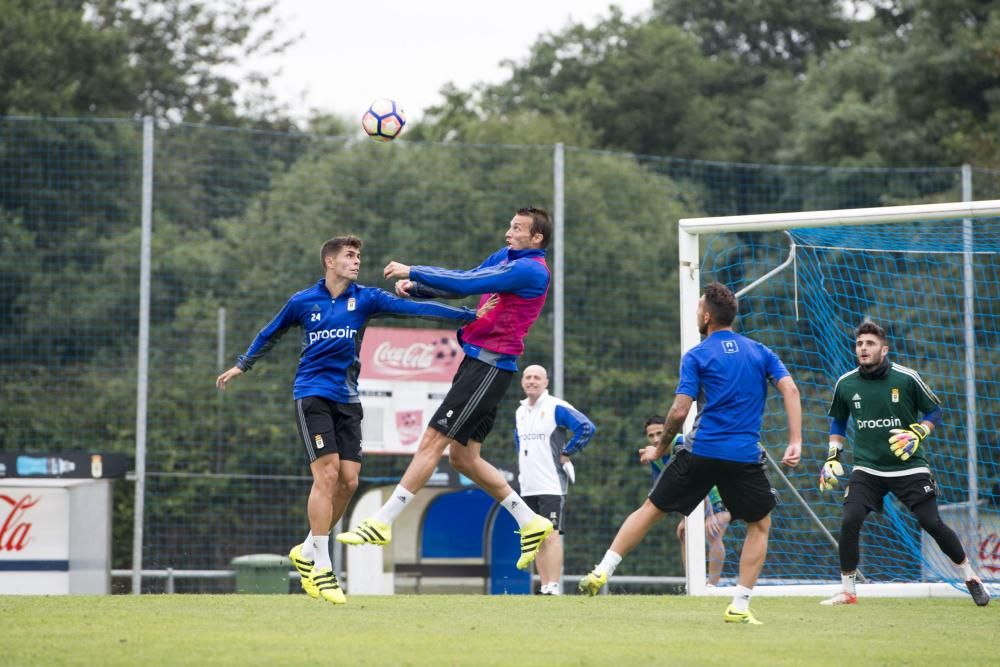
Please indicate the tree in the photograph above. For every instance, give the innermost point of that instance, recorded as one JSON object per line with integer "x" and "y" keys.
{"x": 920, "y": 85}
{"x": 772, "y": 33}
{"x": 165, "y": 58}
{"x": 57, "y": 63}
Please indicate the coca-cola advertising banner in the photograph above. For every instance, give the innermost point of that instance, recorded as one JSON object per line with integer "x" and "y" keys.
{"x": 34, "y": 540}
{"x": 429, "y": 355}
{"x": 405, "y": 374}
{"x": 55, "y": 536}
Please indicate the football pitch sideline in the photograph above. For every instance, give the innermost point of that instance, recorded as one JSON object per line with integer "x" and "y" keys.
{"x": 618, "y": 630}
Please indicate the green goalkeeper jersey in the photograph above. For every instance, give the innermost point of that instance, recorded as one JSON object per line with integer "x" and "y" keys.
{"x": 877, "y": 405}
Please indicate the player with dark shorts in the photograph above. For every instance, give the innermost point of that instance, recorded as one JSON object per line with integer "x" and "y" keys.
{"x": 518, "y": 274}
{"x": 893, "y": 411}
{"x": 469, "y": 409}
{"x": 332, "y": 314}
{"x": 729, "y": 375}
{"x": 688, "y": 478}
{"x": 328, "y": 427}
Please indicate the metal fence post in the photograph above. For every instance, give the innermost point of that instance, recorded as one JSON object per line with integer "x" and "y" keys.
{"x": 559, "y": 301}
{"x": 142, "y": 373}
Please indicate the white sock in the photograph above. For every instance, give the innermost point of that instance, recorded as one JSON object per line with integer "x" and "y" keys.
{"x": 307, "y": 547}
{"x": 393, "y": 507}
{"x": 741, "y": 601}
{"x": 608, "y": 563}
{"x": 518, "y": 509}
{"x": 966, "y": 567}
{"x": 848, "y": 581}
{"x": 321, "y": 551}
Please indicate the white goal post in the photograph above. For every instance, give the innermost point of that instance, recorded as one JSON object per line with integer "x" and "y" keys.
{"x": 691, "y": 231}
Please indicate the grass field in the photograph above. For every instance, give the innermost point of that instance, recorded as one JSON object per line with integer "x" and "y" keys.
{"x": 616, "y": 630}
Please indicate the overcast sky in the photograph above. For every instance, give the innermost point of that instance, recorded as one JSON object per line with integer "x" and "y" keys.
{"x": 352, "y": 51}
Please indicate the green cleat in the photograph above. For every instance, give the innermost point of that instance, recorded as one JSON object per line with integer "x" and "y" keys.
{"x": 326, "y": 583}
{"x": 369, "y": 531}
{"x": 532, "y": 536}
{"x": 304, "y": 568}
{"x": 745, "y": 617}
{"x": 593, "y": 583}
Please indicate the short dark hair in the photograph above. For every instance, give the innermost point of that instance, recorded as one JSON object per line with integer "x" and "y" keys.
{"x": 869, "y": 327}
{"x": 721, "y": 304}
{"x": 333, "y": 246}
{"x": 541, "y": 223}
{"x": 654, "y": 419}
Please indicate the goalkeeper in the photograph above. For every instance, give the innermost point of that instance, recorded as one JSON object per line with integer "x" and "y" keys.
{"x": 893, "y": 411}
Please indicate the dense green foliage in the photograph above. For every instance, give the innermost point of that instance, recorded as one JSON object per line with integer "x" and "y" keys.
{"x": 166, "y": 58}
{"x": 896, "y": 83}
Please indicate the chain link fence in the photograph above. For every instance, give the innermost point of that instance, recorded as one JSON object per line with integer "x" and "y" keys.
{"x": 237, "y": 221}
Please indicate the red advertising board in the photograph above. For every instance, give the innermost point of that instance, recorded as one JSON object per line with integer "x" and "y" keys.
{"x": 428, "y": 355}
{"x": 405, "y": 374}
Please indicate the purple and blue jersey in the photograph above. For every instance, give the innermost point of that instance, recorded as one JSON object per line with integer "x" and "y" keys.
{"x": 519, "y": 277}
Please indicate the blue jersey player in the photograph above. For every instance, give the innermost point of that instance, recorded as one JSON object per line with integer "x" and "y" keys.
{"x": 728, "y": 374}
{"x": 332, "y": 314}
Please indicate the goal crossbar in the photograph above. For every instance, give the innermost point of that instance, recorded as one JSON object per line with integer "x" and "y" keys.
{"x": 764, "y": 222}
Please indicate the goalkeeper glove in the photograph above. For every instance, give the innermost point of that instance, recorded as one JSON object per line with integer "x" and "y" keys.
{"x": 831, "y": 469}
{"x": 904, "y": 441}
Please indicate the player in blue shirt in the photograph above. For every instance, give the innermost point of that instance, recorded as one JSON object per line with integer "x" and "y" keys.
{"x": 332, "y": 314}
{"x": 728, "y": 375}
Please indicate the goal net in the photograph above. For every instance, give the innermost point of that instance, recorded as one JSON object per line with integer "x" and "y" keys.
{"x": 930, "y": 275}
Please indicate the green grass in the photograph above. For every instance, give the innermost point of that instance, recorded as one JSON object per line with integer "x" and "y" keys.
{"x": 618, "y": 630}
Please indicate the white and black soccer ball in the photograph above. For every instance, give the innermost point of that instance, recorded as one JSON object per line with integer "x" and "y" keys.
{"x": 384, "y": 120}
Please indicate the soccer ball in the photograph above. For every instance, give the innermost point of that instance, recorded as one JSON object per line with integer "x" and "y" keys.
{"x": 384, "y": 120}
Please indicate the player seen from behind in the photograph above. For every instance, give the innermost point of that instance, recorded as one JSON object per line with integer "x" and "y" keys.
{"x": 728, "y": 374}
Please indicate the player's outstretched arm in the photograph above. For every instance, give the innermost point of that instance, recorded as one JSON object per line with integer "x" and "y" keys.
{"x": 522, "y": 277}
{"x": 394, "y": 305}
{"x": 793, "y": 410}
{"x": 412, "y": 289}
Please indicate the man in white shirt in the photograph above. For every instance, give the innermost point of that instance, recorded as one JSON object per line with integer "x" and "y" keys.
{"x": 541, "y": 434}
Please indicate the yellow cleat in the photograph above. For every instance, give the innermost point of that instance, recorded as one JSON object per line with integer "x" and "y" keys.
{"x": 745, "y": 617}
{"x": 369, "y": 531}
{"x": 593, "y": 583}
{"x": 532, "y": 536}
{"x": 326, "y": 583}
{"x": 304, "y": 568}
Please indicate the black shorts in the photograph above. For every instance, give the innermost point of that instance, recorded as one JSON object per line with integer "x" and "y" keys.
{"x": 869, "y": 490}
{"x": 470, "y": 408}
{"x": 686, "y": 480}
{"x": 327, "y": 427}
{"x": 551, "y": 507}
